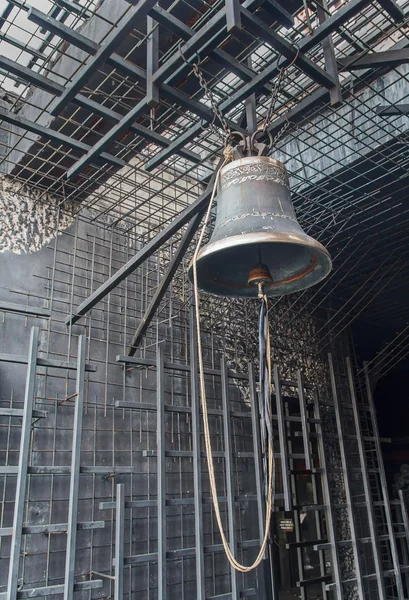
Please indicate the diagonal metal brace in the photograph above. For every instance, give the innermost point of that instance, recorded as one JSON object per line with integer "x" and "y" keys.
{"x": 163, "y": 236}
{"x": 164, "y": 284}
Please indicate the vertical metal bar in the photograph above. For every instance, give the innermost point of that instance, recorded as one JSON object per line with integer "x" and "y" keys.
{"x": 228, "y": 455}
{"x": 250, "y": 104}
{"x": 255, "y": 424}
{"x": 197, "y": 471}
{"x": 347, "y": 483}
{"x": 366, "y": 483}
{"x": 339, "y": 592}
{"x": 297, "y": 520}
{"x": 329, "y": 56}
{"x": 269, "y": 580}
{"x": 233, "y": 16}
{"x": 75, "y": 471}
{"x": 152, "y": 61}
{"x": 384, "y": 487}
{"x": 119, "y": 541}
{"x": 304, "y": 421}
{"x": 285, "y": 469}
{"x": 405, "y": 516}
{"x": 18, "y": 517}
{"x": 161, "y": 472}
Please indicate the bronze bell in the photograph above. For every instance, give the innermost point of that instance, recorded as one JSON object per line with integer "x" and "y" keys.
{"x": 257, "y": 240}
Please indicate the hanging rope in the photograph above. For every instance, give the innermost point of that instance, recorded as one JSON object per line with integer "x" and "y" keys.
{"x": 208, "y": 444}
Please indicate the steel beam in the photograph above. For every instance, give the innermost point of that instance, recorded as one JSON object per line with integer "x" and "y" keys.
{"x": 59, "y": 29}
{"x": 164, "y": 284}
{"x": 161, "y": 473}
{"x": 389, "y": 111}
{"x": 268, "y": 35}
{"x": 108, "y": 139}
{"x": 331, "y": 24}
{"x": 57, "y": 89}
{"x": 392, "y": 9}
{"x": 405, "y": 515}
{"x": 119, "y": 541}
{"x": 112, "y": 42}
{"x": 228, "y": 469}
{"x": 143, "y": 254}
{"x": 233, "y": 16}
{"x": 197, "y": 470}
{"x": 24, "y": 310}
{"x": 55, "y": 136}
{"x": 75, "y": 472}
{"x": 389, "y": 58}
{"x": 19, "y": 502}
{"x": 152, "y": 61}
{"x": 384, "y": 488}
{"x": 331, "y": 66}
{"x": 44, "y": 362}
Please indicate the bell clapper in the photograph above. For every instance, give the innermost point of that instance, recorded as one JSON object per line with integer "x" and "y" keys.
{"x": 260, "y": 276}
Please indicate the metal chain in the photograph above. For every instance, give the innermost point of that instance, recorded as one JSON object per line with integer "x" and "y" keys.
{"x": 214, "y": 104}
{"x": 273, "y": 100}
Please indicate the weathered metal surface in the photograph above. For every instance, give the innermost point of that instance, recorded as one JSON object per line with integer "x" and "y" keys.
{"x": 256, "y": 223}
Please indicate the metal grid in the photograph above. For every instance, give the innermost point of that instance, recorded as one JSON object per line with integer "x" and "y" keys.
{"x": 347, "y": 165}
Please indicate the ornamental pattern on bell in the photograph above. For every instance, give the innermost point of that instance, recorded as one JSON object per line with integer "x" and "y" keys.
{"x": 254, "y": 172}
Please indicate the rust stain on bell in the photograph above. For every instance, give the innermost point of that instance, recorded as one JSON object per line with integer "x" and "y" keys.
{"x": 256, "y": 224}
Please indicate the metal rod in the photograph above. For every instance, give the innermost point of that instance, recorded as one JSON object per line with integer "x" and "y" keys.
{"x": 75, "y": 472}
{"x": 366, "y": 484}
{"x": 145, "y": 252}
{"x": 384, "y": 488}
{"x": 228, "y": 456}
{"x": 119, "y": 541}
{"x": 347, "y": 483}
{"x": 331, "y": 66}
{"x": 21, "y": 484}
{"x": 331, "y": 520}
{"x": 164, "y": 284}
{"x": 270, "y": 584}
{"x": 197, "y": 471}
{"x": 161, "y": 474}
{"x": 285, "y": 468}
{"x": 405, "y": 515}
{"x": 304, "y": 422}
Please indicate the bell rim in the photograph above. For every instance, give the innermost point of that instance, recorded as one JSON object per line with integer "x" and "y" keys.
{"x": 248, "y": 160}
{"x": 277, "y": 289}
{"x": 261, "y": 238}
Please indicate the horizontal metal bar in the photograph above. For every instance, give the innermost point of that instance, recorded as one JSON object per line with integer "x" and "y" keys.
{"x": 19, "y": 412}
{"x": 392, "y": 9}
{"x": 388, "y": 58}
{"x": 57, "y": 28}
{"x": 112, "y": 42}
{"x": 313, "y": 581}
{"x": 53, "y": 590}
{"x": 54, "y": 136}
{"x": 45, "y": 362}
{"x": 57, "y": 89}
{"x": 146, "y": 362}
{"x": 279, "y": 12}
{"x": 178, "y": 502}
{"x": 332, "y": 23}
{"x": 66, "y": 470}
{"x": 52, "y": 528}
{"x": 185, "y": 552}
{"x": 23, "y": 309}
{"x": 389, "y": 111}
{"x": 268, "y": 35}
